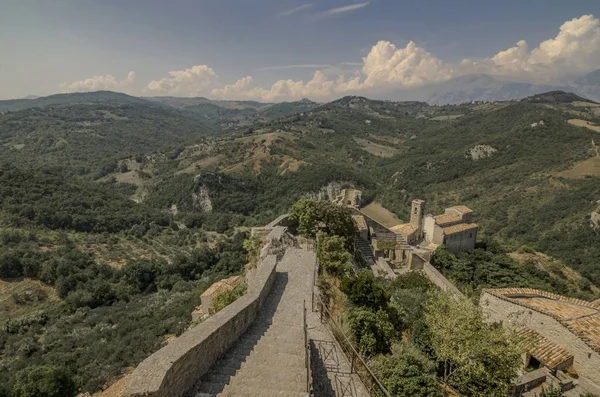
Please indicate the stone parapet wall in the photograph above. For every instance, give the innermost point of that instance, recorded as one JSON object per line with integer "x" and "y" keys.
{"x": 176, "y": 368}
{"x": 438, "y": 279}
{"x": 515, "y": 316}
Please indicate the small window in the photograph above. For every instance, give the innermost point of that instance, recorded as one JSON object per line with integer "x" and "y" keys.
{"x": 470, "y": 235}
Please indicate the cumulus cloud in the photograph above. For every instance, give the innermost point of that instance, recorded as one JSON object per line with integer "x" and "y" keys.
{"x": 98, "y": 83}
{"x": 403, "y": 67}
{"x": 573, "y": 51}
{"x": 195, "y": 81}
{"x": 236, "y": 89}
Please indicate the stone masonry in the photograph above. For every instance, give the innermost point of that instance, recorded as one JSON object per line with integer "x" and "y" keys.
{"x": 268, "y": 360}
{"x": 175, "y": 369}
{"x": 516, "y": 316}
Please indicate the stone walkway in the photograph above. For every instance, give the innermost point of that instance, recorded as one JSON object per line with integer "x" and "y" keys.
{"x": 268, "y": 360}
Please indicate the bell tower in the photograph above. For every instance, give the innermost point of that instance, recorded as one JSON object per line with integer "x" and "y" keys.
{"x": 417, "y": 212}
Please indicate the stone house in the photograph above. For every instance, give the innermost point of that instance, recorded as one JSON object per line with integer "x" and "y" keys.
{"x": 454, "y": 228}
{"x": 567, "y": 329}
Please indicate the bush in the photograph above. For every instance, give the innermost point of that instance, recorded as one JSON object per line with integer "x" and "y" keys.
{"x": 226, "y": 298}
{"x": 364, "y": 290}
{"x": 42, "y": 381}
{"x": 407, "y": 372}
{"x": 373, "y": 332}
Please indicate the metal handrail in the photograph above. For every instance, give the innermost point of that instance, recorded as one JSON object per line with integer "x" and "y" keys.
{"x": 357, "y": 363}
{"x": 307, "y": 362}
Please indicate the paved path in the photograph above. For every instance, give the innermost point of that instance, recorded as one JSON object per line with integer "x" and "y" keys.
{"x": 268, "y": 360}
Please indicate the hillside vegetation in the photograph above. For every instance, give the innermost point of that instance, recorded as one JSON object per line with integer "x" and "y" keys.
{"x": 117, "y": 211}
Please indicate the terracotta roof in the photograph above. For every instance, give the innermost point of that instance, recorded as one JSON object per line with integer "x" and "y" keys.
{"x": 360, "y": 222}
{"x": 580, "y": 317}
{"x": 548, "y": 353}
{"x": 462, "y": 208}
{"x": 447, "y": 219}
{"x": 461, "y": 227}
{"x": 405, "y": 229}
{"x": 223, "y": 285}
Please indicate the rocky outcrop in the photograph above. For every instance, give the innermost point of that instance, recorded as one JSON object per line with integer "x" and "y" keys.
{"x": 201, "y": 200}
{"x": 480, "y": 152}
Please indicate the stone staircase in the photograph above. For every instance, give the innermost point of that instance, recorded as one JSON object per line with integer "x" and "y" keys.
{"x": 268, "y": 360}
{"x": 365, "y": 248}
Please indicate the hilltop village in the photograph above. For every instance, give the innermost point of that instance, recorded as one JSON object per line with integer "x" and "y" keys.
{"x": 559, "y": 336}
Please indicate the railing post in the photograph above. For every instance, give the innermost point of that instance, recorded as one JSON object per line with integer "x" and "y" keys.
{"x": 352, "y": 363}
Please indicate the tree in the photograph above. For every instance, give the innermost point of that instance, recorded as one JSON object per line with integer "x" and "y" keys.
{"x": 42, "y": 381}
{"x": 333, "y": 256}
{"x": 478, "y": 358}
{"x": 313, "y": 216}
{"x": 308, "y": 215}
{"x": 373, "y": 332}
{"x": 364, "y": 290}
{"x": 407, "y": 372}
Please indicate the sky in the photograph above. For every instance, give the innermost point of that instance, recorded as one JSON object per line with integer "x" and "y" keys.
{"x": 281, "y": 50}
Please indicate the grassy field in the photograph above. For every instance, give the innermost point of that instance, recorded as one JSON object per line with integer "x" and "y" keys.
{"x": 21, "y": 296}
{"x": 584, "y": 123}
{"x": 582, "y": 169}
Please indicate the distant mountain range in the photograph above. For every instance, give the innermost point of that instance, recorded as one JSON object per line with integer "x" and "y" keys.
{"x": 483, "y": 87}
{"x": 462, "y": 89}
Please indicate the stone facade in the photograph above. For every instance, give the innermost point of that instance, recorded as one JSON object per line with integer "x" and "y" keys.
{"x": 454, "y": 228}
{"x": 513, "y": 315}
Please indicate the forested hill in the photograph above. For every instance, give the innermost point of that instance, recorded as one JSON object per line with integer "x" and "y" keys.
{"x": 113, "y": 205}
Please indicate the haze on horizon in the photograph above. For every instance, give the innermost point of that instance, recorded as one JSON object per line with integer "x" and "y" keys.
{"x": 287, "y": 50}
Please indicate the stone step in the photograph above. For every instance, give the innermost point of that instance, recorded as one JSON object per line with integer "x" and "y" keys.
{"x": 290, "y": 376}
{"x": 283, "y": 336}
{"x": 262, "y": 392}
{"x": 262, "y": 389}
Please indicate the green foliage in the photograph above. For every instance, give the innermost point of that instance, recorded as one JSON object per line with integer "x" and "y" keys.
{"x": 228, "y": 297}
{"x": 333, "y": 256}
{"x": 42, "y": 381}
{"x": 417, "y": 281}
{"x": 484, "y": 269}
{"x": 386, "y": 245}
{"x": 373, "y": 332}
{"x": 313, "y": 216}
{"x": 478, "y": 359}
{"x": 407, "y": 372}
{"x": 363, "y": 290}
{"x": 90, "y": 138}
{"x": 44, "y": 198}
{"x": 552, "y": 392}
{"x": 253, "y": 246}
{"x": 110, "y": 318}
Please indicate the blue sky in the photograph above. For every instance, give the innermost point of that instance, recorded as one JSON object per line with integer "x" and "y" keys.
{"x": 52, "y": 46}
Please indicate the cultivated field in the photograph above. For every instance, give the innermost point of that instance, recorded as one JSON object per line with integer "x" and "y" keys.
{"x": 590, "y": 166}
{"x": 376, "y": 149}
{"x": 584, "y": 123}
